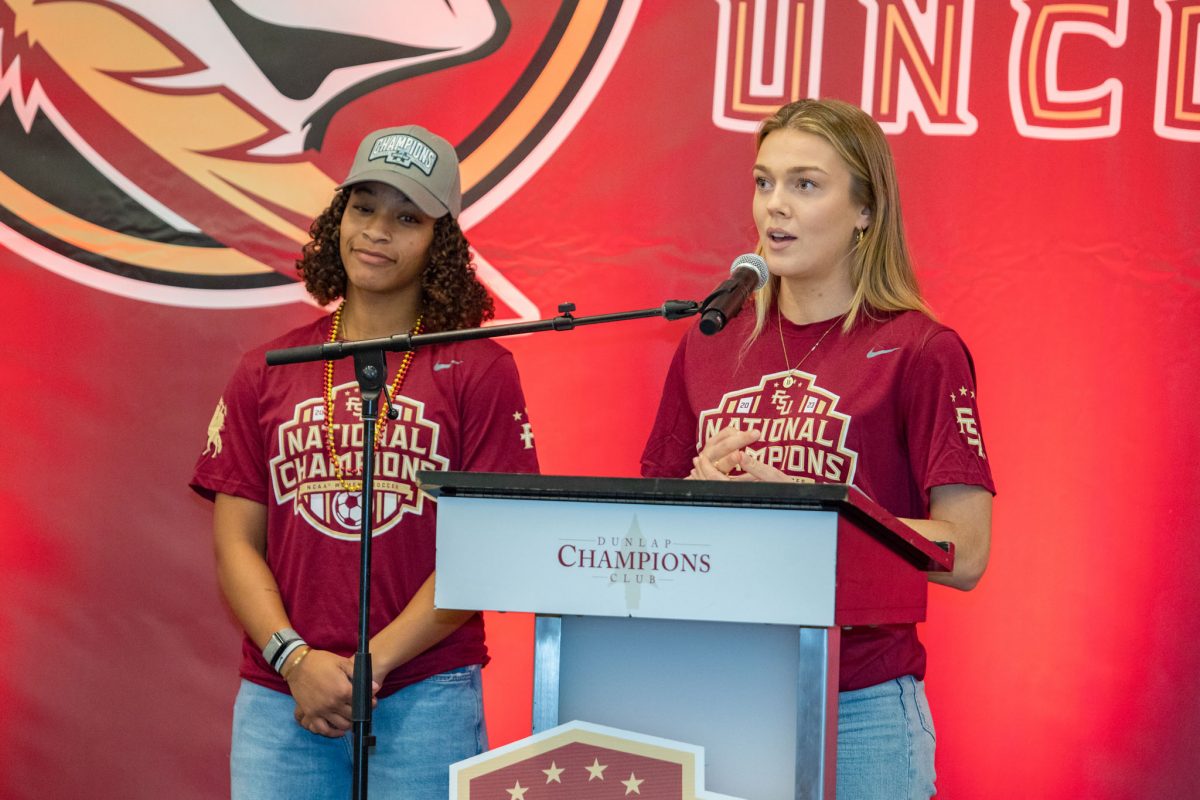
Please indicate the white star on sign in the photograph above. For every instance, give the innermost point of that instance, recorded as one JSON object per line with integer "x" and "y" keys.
{"x": 633, "y": 783}
{"x": 517, "y": 792}
{"x": 596, "y": 770}
{"x": 553, "y": 773}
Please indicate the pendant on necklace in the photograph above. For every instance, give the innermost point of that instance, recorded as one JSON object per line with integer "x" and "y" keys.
{"x": 789, "y": 382}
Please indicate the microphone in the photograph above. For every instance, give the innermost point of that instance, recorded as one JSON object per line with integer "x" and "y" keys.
{"x": 748, "y": 274}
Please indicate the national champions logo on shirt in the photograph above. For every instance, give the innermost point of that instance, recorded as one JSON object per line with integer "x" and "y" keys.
{"x": 801, "y": 431}
{"x": 302, "y": 474}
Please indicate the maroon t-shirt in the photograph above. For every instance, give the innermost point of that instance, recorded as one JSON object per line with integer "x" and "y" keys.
{"x": 461, "y": 408}
{"x": 889, "y": 407}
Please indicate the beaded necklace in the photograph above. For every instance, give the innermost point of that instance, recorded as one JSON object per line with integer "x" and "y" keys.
{"x": 397, "y": 382}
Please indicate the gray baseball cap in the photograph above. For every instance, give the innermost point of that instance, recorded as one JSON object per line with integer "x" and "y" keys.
{"x": 421, "y": 164}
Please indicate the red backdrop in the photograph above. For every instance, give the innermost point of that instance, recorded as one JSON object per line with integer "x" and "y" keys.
{"x": 156, "y": 169}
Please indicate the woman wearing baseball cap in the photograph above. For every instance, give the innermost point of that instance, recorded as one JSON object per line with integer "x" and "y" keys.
{"x": 283, "y": 465}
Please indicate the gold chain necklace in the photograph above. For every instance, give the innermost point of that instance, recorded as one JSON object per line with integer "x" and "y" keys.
{"x": 397, "y": 382}
{"x": 789, "y": 381}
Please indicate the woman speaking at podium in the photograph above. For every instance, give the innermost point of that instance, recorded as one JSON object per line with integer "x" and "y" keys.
{"x": 873, "y": 393}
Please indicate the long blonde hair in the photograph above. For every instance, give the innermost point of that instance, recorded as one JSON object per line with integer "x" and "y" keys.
{"x": 880, "y": 268}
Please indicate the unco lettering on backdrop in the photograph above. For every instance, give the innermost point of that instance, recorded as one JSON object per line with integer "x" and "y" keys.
{"x": 916, "y": 62}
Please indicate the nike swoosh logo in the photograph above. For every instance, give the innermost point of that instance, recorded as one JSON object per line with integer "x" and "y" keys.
{"x": 870, "y": 354}
{"x": 439, "y": 366}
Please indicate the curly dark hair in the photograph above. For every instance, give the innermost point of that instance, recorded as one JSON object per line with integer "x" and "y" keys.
{"x": 452, "y": 296}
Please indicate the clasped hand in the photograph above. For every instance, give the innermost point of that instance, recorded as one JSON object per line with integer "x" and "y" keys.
{"x": 725, "y": 458}
{"x": 322, "y": 686}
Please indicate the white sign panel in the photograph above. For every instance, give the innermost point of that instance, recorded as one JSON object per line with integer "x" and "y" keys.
{"x": 633, "y": 560}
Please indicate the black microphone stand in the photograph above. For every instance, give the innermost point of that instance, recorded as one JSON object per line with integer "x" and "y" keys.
{"x": 370, "y": 368}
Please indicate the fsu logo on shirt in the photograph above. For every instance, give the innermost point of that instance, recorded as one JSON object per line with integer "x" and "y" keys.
{"x": 302, "y": 474}
{"x": 801, "y": 431}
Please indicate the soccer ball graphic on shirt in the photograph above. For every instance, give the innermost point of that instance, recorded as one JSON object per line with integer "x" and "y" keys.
{"x": 347, "y": 509}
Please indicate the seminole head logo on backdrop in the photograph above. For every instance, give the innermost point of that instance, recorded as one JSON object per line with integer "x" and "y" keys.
{"x": 176, "y": 152}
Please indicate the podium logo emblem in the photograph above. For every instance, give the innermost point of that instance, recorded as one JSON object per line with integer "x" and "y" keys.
{"x": 580, "y": 759}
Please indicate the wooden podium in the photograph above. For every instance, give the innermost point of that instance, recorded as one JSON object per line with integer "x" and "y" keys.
{"x": 704, "y": 612}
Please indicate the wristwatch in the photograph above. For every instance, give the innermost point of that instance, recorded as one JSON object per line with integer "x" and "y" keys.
{"x": 278, "y": 642}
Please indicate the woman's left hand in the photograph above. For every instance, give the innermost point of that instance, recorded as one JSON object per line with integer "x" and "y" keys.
{"x": 723, "y": 453}
{"x": 760, "y": 471}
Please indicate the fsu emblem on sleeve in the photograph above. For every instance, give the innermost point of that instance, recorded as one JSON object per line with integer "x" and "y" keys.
{"x": 802, "y": 432}
{"x": 302, "y": 475}
{"x": 964, "y": 418}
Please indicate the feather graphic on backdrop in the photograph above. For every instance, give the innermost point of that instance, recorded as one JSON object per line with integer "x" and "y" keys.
{"x": 209, "y": 116}
{"x": 176, "y": 152}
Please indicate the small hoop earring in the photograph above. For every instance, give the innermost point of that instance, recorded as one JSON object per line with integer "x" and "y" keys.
{"x": 858, "y": 234}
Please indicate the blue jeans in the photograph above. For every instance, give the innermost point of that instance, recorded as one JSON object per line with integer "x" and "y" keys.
{"x": 419, "y": 731}
{"x": 885, "y": 742}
